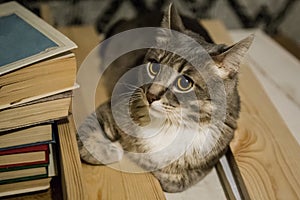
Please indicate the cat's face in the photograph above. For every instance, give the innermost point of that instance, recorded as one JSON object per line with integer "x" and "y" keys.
{"x": 189, "y": 93}
{"x": 177, "y": 92}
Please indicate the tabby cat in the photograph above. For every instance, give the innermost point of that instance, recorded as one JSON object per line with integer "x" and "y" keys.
{"x": 176, "y": 129}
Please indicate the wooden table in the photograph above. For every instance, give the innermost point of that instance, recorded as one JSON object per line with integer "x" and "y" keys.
{"x": 265, "y": 150}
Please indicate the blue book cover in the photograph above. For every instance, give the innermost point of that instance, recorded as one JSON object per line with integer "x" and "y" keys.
{"x": 20, "y": 40}
{"x": 25, "y": 38}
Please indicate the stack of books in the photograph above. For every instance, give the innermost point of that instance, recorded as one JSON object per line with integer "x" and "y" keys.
{"x": 37, "y": 76}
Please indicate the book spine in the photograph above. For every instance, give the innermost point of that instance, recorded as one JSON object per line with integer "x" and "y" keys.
{"x": 43, "y": 147}
{"x": 27, "y": 178}
{"x": 27, "y": 145}
{"x": 14, "y": 168}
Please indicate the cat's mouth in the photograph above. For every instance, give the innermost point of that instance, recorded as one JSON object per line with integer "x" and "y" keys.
{"x": 156, "y": 110}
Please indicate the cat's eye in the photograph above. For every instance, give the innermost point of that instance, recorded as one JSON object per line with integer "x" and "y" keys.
{"x": 153, "y": 69}
{"x": 183, "y": 83}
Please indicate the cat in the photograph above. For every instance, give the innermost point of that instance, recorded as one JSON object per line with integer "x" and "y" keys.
{"x": 174, "y": 133}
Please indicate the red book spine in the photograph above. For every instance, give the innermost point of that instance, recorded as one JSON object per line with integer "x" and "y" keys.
{"x": 42, "y": 147}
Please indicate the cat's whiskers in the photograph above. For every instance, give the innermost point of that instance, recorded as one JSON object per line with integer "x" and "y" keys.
{"x": 129, "y": 97}
{"x": 129, "y": 86}
{"x": 173, "y": 116}
{"x": 133, "y": 90}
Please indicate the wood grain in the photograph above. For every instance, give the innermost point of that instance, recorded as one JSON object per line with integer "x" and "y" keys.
{"x": 107, "y": 183}
{"x": 72, "y": 177}
{"x": 265, "y": 151}
{"x": 278, "y": 72}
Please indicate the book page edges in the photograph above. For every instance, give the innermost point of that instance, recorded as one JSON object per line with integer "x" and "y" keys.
{"x": 27, "y": 190}
{"x": 27, "y": 100}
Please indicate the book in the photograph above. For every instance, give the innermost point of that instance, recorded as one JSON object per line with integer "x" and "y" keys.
{"x": 24, "y": 187}
{"x": 35, "y": 112}
{"x": 26, "y": 137}
{"x": 27, "y": 173}
{"x": 24, "y": 156}
{"x": 39, "y": 40}
{"x": 45, "y": 78}
{"x": 31, "y": 178}
{"x": 26, "y": 168}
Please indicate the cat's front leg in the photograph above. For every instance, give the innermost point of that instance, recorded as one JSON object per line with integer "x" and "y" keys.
{"x": 139, "y": 108}
{"x": 97, "y": 139}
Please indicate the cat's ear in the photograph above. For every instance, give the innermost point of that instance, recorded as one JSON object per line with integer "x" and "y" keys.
{"x": 172, "y": 19}
{"x": 228, "y": 61}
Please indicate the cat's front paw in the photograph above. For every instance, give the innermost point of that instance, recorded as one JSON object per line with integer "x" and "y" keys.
{"x": 171, "y": 182}
{"x": 139, "y": 111}
{"x": 94, "y": 146}
{"x": 178, "y": 182}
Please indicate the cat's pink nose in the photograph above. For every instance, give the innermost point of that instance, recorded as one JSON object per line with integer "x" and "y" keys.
{"x": 151, "y": 97}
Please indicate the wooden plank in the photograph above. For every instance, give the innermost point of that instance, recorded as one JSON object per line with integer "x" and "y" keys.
{"x": 72, "y": 177}
{"x": 265, "y": 151}
{"x": 278, "y": 72}
{"x": 106, "y": 183}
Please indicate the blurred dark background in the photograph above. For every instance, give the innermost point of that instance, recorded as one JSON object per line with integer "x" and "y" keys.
{"x": 278, "y": 18}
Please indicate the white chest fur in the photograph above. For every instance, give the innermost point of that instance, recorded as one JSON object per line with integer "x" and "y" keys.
{"x": 167, "y": 142}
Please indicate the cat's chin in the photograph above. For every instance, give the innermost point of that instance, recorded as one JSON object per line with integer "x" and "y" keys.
{"x": 156, "y": 111}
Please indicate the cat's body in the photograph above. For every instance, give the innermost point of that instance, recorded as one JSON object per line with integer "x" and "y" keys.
{"x": 177, "y": 112}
